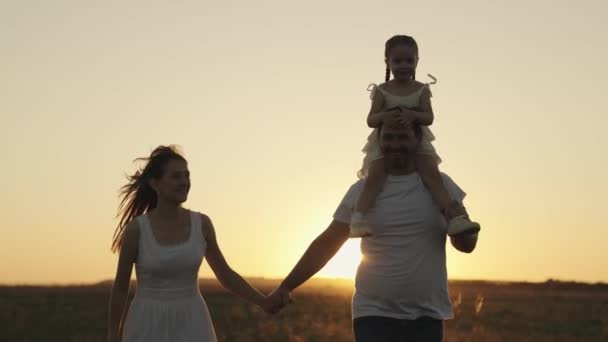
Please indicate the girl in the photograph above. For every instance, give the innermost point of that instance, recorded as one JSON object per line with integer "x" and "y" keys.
{"x": 407, "y": 100}
{"x": 167, "y": 244}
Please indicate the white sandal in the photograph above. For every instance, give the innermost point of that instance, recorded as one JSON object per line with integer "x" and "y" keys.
{"x": 462, "y": 225}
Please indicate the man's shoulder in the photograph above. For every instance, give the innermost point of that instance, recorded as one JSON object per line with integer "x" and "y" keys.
{"x": 359, "y": 182}
{"x": 447, "y": 180}
{"x": 347, "y": 205}
{"x": 354, "y": 190}
{"x": 356, "y": 185}
{"x": 453, "y": 188}
{"x": 445, "y": 177}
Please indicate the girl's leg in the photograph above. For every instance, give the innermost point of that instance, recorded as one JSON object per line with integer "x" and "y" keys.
{"x": 359, "y": 227}
{"x": 374, "y": 181}
{"x": 454, "y": 212}
{"x": 429, "y": 172}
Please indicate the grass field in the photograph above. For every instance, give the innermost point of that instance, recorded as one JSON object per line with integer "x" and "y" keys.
{"x": 550, "y": 311}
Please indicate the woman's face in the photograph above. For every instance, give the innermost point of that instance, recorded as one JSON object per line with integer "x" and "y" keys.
{"x": 174, "y": 184}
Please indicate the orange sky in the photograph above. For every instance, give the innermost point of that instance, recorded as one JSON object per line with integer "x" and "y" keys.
{"x": 268, "y": 101}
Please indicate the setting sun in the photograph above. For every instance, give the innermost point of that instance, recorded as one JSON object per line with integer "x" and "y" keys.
{"x": 274, "y": 143}
{"x": 271, "y": 106}
{"x": 344, "y": 263}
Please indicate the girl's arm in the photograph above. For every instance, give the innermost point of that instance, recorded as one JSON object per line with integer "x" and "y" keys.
{"x": 120, "y": 288}
{"x": 376, "y": 116}
{"x": 224, "y": 273}
{"x": 423, "y": 114}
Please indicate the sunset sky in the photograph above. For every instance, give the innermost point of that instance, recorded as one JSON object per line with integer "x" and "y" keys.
{"x": 268, "y": 101}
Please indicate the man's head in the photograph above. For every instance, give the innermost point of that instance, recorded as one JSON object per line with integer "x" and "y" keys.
{"x": 399, "y": 144}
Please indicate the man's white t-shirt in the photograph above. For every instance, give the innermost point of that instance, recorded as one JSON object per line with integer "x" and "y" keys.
{"x": 403, "y": 271}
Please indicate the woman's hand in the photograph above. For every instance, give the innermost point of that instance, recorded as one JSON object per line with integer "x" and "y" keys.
{"x": 277, "y": 300}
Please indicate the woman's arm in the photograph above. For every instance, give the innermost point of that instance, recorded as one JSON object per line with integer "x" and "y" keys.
{"x": 120, "y": 288}
{"x": 224, "y": 273}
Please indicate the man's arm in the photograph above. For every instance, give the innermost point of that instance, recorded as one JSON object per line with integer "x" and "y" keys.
{"x": 320, "y": 251}
{"x": 465, "y": 242}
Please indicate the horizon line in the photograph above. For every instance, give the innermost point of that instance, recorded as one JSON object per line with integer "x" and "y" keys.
{"x": 323, "y": 278}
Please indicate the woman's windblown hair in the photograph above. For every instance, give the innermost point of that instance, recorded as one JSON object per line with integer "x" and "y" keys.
{"x": 137, "y": 196}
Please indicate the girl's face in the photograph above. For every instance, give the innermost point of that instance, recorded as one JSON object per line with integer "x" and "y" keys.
{"x": 402, "y": 61}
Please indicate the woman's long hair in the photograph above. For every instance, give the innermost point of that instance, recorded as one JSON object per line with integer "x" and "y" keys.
{"x": 137, "y": 196}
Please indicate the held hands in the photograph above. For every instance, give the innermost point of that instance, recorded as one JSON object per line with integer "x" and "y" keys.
{"x": 277, "y": 300}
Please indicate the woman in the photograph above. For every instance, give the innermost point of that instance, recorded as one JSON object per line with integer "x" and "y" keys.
{"x": 167, "y": 243}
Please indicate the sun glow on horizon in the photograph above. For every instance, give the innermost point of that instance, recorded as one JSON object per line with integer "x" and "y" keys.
{"x": 344, "y": 264}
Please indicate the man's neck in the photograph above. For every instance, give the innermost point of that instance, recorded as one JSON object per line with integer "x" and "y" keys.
{"x": 401, "y": 172}
{"x": 407, "y": 169}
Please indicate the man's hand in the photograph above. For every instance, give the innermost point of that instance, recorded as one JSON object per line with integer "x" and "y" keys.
{"x": 277, "y": 300}
{"x": 320, "y": 251}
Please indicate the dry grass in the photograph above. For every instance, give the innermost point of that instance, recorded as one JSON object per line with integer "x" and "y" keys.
{"x": 490, "y": 312}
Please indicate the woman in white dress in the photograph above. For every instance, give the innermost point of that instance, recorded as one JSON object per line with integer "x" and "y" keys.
{"x": 167, "y": 244}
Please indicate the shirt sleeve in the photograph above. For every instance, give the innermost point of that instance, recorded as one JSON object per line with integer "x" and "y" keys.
{"x": 346, "y": 207}
{"x": 454, "y": 190}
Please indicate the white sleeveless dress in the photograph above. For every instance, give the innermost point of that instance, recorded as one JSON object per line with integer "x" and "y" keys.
{"x": 372, "y": 147}
{"x": 168, "y": 306}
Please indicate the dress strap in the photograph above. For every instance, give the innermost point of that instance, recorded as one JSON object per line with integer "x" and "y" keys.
{"x": 372, "y": 88}
{"x": 428, "y": 85}
{"x": 144, "y": 229}
{"x": 196, "y": 226}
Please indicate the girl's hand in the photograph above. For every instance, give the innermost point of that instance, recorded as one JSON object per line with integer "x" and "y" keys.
{"x": 406, "y": 116}
{"x": 391, "y": 114}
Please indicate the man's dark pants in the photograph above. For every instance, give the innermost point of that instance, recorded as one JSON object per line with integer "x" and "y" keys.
{"x": 386, "y": 329}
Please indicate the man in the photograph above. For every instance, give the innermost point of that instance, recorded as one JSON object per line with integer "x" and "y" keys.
{"x": 401, "y": 284}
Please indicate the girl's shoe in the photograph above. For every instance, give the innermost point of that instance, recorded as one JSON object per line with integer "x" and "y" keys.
{"x": 462, "y": 225}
